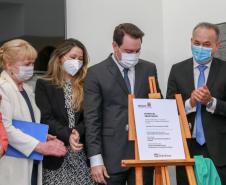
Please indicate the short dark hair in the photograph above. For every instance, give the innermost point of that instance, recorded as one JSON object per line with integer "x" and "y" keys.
{"x": 126, "y": 28}
{"x": 208, "y": 26}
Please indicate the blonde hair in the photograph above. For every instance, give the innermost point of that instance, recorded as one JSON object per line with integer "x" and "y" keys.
{"x": 11, "y": 50}
{"x": 55, "y": 72}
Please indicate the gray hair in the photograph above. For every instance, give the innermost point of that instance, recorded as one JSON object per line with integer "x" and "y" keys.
{"x": 207, "y": 26}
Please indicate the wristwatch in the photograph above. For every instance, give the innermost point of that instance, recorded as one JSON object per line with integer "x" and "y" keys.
{"x": 210, "y": 103}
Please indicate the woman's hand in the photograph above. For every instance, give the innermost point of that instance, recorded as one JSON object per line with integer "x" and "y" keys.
{"x": 51, "y": 137}
{"x": 53, "y": 147}
{"x": 74, "y": 141}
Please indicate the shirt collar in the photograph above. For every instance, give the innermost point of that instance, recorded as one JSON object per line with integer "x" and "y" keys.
{"x": 195, "y": 64}
{"x": 119, "y": 66}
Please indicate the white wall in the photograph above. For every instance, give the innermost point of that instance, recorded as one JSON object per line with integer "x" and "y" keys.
{"x": 93, "y": 23}
{"x": 179, "y": 18}
{"x": 167, "y": 24}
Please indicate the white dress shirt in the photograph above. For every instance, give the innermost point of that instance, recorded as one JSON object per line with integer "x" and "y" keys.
{"x": 97, "y": 160}
{"x": 188, "y": 108}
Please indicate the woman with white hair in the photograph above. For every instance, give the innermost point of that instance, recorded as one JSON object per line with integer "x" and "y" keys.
{"x": 17, "y": 59}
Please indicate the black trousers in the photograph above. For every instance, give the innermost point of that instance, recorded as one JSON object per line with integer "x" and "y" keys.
{"x": 129, "y": 177}
{"x": 196, "y": 149}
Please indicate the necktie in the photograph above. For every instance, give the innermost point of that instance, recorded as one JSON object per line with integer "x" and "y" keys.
{"x": 200, "y": 138}
{"x": 126, "y": 78}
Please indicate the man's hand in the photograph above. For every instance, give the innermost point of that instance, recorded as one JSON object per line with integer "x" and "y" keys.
{"x": 201, "y": 95}
{"x": 206, "y": 95}
{"x": 193, "y": 98}
{"x": 99, "y": 173}
{"x": 74, "y": 141}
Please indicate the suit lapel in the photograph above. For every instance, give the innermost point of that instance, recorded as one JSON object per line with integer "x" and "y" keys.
{"x": 138, "y": 78}
{"x": 212, "y": 74}
{"x": 189, "y": 73}
{"x": 114, "y": 70}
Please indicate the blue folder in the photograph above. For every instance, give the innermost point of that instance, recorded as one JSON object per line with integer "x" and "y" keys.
{"x": 38, "y": 131}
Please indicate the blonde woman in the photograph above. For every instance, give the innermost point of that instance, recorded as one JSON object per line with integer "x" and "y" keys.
{"x": 17, "y": 58}
{"x": 59, "y": 96}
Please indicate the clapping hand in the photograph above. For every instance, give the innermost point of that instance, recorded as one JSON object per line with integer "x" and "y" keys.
{"x": 201, "y": 95}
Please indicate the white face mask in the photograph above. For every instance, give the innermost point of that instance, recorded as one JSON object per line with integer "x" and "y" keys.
{"x": 25, "y": 73}
{"x": 129, "y": 60}
{"x": 72, "y": 66}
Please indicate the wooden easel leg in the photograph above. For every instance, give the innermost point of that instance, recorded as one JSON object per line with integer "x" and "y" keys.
{"x": 163, "y": 173}
{"x": 167, "y": 175}
{"x": 162, "y": 176}
{"x": 190, "y": 175}
{"x": 158, "y": 176}
{"x": 139, "y": 175}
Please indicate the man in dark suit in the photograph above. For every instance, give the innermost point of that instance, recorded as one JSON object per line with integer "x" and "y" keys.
{"x": 202, "y": 82}
{"x": 106, "y": 106}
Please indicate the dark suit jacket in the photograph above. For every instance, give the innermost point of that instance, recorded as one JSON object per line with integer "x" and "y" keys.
{"x": 106, "y": 110}
{"x": 50, "y": 100}
{"x": 181, "y": 80}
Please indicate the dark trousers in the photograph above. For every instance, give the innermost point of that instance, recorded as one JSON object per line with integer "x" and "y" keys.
{"x": 196, "y": 149}
{"x": 129, "y": 177}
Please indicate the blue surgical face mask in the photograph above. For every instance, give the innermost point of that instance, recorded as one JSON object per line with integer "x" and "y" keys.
{"x": 201, "y": 54}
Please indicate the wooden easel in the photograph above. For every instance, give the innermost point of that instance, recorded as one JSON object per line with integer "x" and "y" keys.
{"x": 161, "y": 166}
